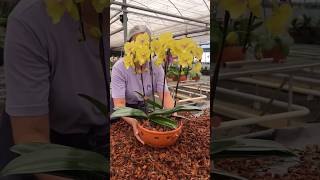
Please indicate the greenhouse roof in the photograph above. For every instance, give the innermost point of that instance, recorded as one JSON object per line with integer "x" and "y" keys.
{"x": 192, "y": 17}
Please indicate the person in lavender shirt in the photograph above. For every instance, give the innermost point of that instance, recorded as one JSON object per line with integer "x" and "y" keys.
{"x": 125, "y": 83}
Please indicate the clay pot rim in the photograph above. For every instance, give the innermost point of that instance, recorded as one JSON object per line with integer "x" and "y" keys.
{"x": 159, "y": 132}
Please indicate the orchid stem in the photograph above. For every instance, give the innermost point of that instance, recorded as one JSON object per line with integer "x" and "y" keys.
{"x": 214, "y": 77}
{"x": 165, "y": 74}
{"x": 144, "y": 93}
{"x": 151, "y": 73}
{"x": 251, "y": 20}
{"x": 81, "y": 22}
{"x": 176, "y": 93}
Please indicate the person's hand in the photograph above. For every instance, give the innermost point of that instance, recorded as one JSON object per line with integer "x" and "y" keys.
{"x": 134, "y": 124}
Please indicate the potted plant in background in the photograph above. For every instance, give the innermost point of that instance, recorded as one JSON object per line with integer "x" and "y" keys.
{"x": 205, "y": 71}
{"x": 181, "y": 76}
{"x": 304, "y": 29}
{"x": 195, "y": 76}
{"x": 158, "y": 127}
{"x": 270, "y": 46}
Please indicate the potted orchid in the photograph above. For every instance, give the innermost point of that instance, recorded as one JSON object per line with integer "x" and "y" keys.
{"x": 159, "y": 127}
{"x": 275, "y": 42}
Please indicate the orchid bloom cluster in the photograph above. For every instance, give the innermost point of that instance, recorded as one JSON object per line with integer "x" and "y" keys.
{"x": 276, "y": 24}
{"x": 185, "y": 50}
{"x": 57, "y": 8}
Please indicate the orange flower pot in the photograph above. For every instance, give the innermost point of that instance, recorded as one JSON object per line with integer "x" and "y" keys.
{"x": 182, "y": 78}
{"x": 197, "y": 78}
{"x": 159, "y": 139}
{"x": 275, "y": 53}
{"x": 232, "y": 53}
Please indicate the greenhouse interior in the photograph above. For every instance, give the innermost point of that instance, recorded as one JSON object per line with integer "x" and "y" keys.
{"x": 252, "y": 66}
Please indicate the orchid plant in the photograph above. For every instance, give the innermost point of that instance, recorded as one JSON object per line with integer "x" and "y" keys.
{"x": 165, "y": 48}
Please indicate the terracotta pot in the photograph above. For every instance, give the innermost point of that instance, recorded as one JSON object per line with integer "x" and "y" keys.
{"x": 197, "y": 78}
{"x": 232, "y": 53}
{"x": 274, "y": 53}
{"x": 159, "y": 139}
{"x": 182, "y": 78}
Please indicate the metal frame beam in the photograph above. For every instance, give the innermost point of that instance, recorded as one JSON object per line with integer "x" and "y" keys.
{"x": 162, "y": 18}
{"x": 159, "y": 12}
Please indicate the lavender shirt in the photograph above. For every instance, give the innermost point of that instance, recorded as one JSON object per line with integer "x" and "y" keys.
{"x": 124, "y": 82}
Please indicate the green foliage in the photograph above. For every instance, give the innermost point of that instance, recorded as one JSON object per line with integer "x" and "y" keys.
{"x": 55, "y": 159}
{"x": 267, "y": 41}
{"x": 237, "y": 148}
{"x": 194, "y": 74}
{"x": 158, "y": 116}
{"x": 239, "y": 27}
{"x": 173, "y": 71}
{"x": 248, "y": 147}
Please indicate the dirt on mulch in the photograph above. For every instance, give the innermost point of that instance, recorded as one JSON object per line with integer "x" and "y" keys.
{"x": 188, "y": 159}
{"x": 306, "y": 168}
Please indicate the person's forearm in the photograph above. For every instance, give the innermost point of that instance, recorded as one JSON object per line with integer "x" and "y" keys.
{"x": 30, "y": 129}
{"x": 168, "y": 100}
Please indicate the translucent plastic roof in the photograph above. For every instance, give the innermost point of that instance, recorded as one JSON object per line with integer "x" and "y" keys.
{"x": 194, "y": 9}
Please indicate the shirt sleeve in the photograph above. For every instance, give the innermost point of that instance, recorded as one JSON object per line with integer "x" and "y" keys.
{"x": 159, "y": 80}
{"x": 118, "y": 82}
{"x": 26, "y": 71}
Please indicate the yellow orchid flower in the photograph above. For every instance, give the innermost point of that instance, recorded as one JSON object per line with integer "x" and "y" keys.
{"x": 129, "y": 47}
{"x": 197, "y": 67}
{"x": 128, "y": 61}
{"x": 185, "y": 59}
{"x": 279, "y": 20}
{"x": 142, "y": 55}
{"x": 143, "y": 39}
{"x": 198, "y": 52}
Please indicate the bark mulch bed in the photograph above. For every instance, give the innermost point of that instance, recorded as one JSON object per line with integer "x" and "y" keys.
{"x": 307, "y": 166}
{"x": 188, "y": 159}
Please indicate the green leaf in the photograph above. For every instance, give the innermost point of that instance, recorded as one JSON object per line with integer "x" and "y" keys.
{"x": 153, "y": 103}
{"x": 219, "y": 174}
{"x": 219, "y": 146}
{"x": 167, "y": 112}
{"x": 128, "y": 112}
{"x": 102, "y": 107}
{"x": 253, "y": 147}
{"x": 56, "y": 159}
{"x": 55, "y": 10}
{"x": 31, "y": 147}
{"x": 164, "y": 121}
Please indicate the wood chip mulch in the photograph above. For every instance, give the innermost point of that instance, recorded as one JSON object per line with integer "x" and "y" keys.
{"x": 307, "y": 167}
{"x": 188, "y": 159}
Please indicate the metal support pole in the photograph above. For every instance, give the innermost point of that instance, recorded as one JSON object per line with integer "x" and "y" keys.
{"x": 158, "y": 12}
{"x": 125, "y": 21}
